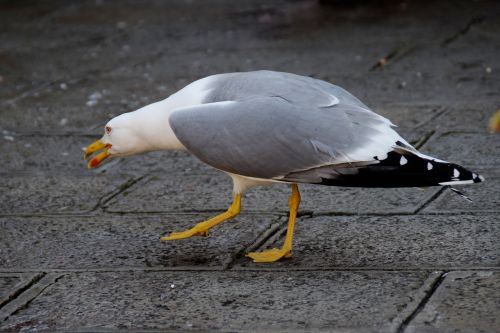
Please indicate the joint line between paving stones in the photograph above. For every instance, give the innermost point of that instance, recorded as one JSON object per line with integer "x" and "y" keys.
{"x": 422, "y": 141}
{"x": 372, "y": 214}
{"x": 434, "y": 286}
{"x": 463, "y": 31}
{"x": 450, "y": 132}
{"x": 188, "y": 212}
{"x": 441, "y": 110}
{"x": 394, "y": 55}
{"x": 462, "y": 213}
{"x": 88, "y": 214}
{"x": 430, "y": 200}
{"x": 82, "y": 78}
{"x": 263, "y": 268}
{"x": 25, "y": 287}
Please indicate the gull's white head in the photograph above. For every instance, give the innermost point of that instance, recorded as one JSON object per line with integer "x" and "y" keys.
{"x": 131, "y": 133}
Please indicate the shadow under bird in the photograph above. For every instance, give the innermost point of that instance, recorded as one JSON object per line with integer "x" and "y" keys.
{"x": 268, "y": 127}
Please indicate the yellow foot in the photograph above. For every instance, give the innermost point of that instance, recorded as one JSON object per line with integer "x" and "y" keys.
{"x": 185, "y": 234}
{"x": 270, "y": 255}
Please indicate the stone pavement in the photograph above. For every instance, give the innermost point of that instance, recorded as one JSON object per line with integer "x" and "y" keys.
{"x": 79, "y": 250}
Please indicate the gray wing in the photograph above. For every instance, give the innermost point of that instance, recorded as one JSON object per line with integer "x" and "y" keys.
{"x": 296, "y": 89}
{"x": 275, "y": 138}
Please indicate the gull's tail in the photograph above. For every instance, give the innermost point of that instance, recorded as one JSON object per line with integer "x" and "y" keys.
{"x": 402, "y": 168}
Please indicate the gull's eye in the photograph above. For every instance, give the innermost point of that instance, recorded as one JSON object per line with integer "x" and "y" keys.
{"x": 107, "y": 129}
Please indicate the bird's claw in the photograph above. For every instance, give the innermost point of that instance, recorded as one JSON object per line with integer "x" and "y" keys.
{"x": 270, "y": 255}
{"x": 185, "y": 234}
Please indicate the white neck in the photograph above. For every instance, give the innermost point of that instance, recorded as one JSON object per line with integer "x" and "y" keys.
{"x": 153, "y": 119}
{"x": 153, "y": 124}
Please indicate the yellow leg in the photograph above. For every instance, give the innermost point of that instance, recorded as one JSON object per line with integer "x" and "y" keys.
{"x": 201, "y": 229}
{"x": 286, "y": 251}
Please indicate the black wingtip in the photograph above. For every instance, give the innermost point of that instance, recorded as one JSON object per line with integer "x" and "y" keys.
{"x": 402, "y": 168}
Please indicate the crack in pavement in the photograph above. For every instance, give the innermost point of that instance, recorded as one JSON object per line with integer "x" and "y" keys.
{"x": 22, "y": 289}
{"x": 36, "y": 292}
{"x": 110, "y": 195}
{"x": 29, "y": 294}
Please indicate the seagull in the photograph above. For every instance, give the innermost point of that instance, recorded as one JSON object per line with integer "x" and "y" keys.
{"x": 267, "y": 127}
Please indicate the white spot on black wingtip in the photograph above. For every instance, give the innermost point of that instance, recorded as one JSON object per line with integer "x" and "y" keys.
{"x": 456, "y": 173}
{"x": 477, "y": 178}
{"x": 403, "y": 160}
{"x": 429, "y": 166}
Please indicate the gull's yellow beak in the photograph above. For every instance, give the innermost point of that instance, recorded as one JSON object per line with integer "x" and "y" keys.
{"x": 97, "y": 159}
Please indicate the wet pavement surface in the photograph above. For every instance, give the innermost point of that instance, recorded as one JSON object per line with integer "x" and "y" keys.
{"x": 79, "y": 249}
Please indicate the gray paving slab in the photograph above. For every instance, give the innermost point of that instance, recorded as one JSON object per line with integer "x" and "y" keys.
{"x": 38, "y": 154}
{"x": 63, "y": 154}
{"x": 485, "y": 197}
{"x": 464, "y": 302}
{"x": 101, "y": 42}
{"x": 212, "y": 190}
{"x": 49, "y": 114}
{"x": 52, "y": 193}
{"x": 466, "y": 149}
{"x": 409, "y": 115}
{"x": 397, "y": 242}
{"x": 415, "y": 78}
{"x": 464, "y": 74}
{"x": 467, "y": 117}
{"x": 12, "y": 17}
{"x": 103, "y": 241}
{"x": 251, "y": 301}
{"x": 99, "y": 48}
{"x": 103, "y": 37}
